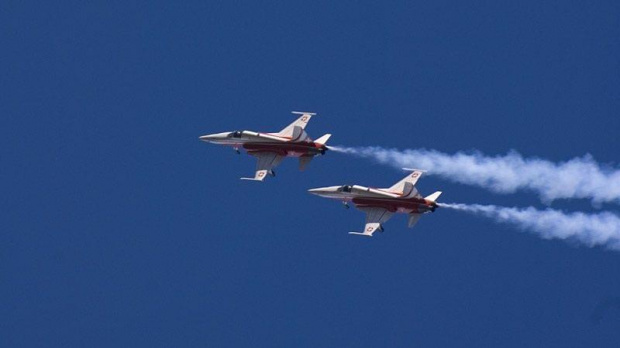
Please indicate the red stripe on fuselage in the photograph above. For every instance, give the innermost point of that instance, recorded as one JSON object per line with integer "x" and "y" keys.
{"x": 413, "y": 204}
{"x": 283, "y": 148}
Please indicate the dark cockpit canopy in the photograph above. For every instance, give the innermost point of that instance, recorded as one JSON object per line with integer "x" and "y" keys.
{"x": 235, "y": 134}
{"x": 345, "y": 188}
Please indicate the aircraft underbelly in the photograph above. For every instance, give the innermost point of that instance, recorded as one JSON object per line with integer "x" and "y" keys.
{"x": 285, "y": 149}
{"x": 393, "y": 205}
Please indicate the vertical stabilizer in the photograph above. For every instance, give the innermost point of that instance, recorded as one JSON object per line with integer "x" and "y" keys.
{"x": 323, "y": 140}
{"x": 434, "y": 196}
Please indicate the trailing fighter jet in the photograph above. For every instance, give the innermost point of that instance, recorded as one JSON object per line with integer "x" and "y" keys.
{"x": 380, "y": 204}
{"x": 271, "y": 148}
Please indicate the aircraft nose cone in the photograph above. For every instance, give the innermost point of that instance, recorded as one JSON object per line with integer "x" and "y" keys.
{"x": 218, "y": 137}
{"x": 324, "y": 190}
{"x": 213, "y": 137}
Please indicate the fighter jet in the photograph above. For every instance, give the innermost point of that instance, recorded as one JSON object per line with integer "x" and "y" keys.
{"x": 271, "y": 148}
{"x": 380, "y": 204}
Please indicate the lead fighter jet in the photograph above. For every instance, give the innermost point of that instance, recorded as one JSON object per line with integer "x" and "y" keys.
{"x": 271, "y": 148}
{"x": 380, "y": 204}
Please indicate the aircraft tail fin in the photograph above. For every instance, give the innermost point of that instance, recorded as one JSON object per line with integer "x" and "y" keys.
{"x": 323, "y": 140}
{"x": 301, "y": 122}
{"x": 434, "y": 196}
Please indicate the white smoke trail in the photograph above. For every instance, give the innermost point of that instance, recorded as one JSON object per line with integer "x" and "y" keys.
{"x": 602, "y": 229}
{"x": 577, "y": 178}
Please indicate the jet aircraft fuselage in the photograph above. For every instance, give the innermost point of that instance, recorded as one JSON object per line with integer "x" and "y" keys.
{"x": 254, "y": 142}
{"x": 271, "y": 148}
{"x": 363, "y": 196}
{"x": 380, "y": 203}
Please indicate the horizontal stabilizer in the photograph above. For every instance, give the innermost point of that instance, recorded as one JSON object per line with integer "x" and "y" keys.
{"x": 303, "y": 162}
{"x": 413, "y": 219}
{"x": 323, "y": 140}
{"x": 434, "y": 196}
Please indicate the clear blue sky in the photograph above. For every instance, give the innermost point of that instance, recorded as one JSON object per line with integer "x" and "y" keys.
{"x": 120, "y": 228}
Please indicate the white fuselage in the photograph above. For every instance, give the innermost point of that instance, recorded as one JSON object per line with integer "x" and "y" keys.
{"x": 254, "y": 142}
{"x": 241, "y": 137}
{"x": 363, "y": 196}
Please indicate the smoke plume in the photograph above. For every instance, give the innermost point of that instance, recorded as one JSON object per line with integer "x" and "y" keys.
{"x": 580, "y": 177}
{"x": 602, "y": 229}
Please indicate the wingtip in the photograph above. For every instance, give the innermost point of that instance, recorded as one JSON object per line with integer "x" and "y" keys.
{"x": 250, "y": 179}
{"x": 361, "y": 234}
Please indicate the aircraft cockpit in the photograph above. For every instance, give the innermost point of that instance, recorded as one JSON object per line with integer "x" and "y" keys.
{"x": 345, "y": 188}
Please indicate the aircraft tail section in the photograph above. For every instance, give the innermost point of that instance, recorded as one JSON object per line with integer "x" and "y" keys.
{"x": 323, "y": 140}
{"x": 303, "y": 162}
{"x": 413, "y": 219}
{"x": 434, "y": 196}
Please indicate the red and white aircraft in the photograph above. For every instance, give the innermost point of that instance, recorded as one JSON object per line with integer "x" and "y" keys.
{"x": 271, "y": 148}
{"x": 380, "y": 204}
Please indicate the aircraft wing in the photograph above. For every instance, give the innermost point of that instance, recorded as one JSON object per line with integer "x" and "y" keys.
{"x": 407, "y": 184}
{"x": 266, "y": 162}
{"x": 301, "y": 123}
{"x": 375, "y": 216}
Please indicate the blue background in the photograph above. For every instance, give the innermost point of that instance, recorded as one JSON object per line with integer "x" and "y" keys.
{"x": 120, "y": 228}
